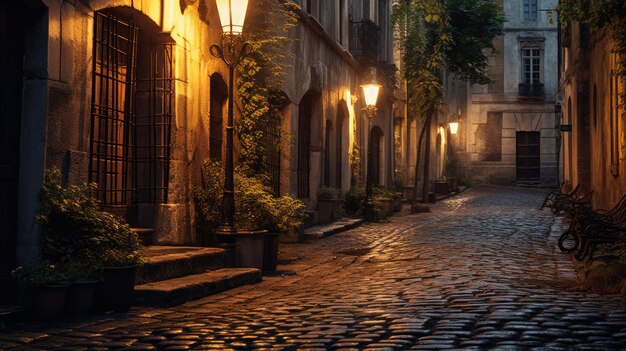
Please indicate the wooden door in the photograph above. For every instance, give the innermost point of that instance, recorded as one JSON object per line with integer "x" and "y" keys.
{"x": 528, "y": 156}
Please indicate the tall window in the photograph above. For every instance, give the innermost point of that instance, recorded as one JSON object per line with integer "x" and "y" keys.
{"x": 131, "y": 113}
{"x": 531, "y": 65}
{"x": 530, "y": 10}
{"x": 304, "y": 145}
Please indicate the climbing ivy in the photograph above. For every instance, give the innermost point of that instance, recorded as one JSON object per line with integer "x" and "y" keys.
{"x": 260, "y": 76}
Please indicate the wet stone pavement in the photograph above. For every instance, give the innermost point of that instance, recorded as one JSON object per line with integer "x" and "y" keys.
{"x": 479, "y": 272}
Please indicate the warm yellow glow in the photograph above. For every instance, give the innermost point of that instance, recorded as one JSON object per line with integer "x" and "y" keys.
{"x": 370, "y": 91}
{"x": 454, "y": 127}
{"x": 232, "y": 15}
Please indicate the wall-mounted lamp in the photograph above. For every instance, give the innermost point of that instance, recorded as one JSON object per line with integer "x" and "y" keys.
{"x": 454, "y": 127}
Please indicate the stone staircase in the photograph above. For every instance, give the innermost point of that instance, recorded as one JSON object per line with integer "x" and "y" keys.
{"x": 175, "y": 274}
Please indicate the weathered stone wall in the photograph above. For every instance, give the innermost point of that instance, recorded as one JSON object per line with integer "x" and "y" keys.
{"x": 594, "y": 151}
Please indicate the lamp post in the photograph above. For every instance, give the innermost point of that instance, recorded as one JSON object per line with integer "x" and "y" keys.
{"x": 370, "y": 91}
{"x": 232, "y": 49}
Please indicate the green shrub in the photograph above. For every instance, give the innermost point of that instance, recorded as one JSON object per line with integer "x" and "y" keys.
{"x": 43, "y": 273}
{"x": 353, "y": 200}
{"x": 255, "y": 206}
{"x": 75, "y": 230}
{"x": 327, "y": 193}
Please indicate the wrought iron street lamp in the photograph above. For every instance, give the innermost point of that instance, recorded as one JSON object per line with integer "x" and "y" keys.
{"x": 232, "y": 49}
{"x": 370, "y": 92}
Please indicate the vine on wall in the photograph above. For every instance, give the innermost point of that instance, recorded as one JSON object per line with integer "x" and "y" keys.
{"x": 260, "y": 76}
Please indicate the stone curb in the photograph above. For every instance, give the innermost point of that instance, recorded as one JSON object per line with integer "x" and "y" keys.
{"x": 324, "y": 231}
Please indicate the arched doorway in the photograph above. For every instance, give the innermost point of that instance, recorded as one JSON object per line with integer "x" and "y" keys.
{"x": 12, "y": 19}
{"x": 219, "y": 95}
{"x": 132, "y": 97}
{"x": 342, "y": 136}
{"x": 376, "y": 139}
{"x": 307, "y": 106}
{"x": 327, "y": 153}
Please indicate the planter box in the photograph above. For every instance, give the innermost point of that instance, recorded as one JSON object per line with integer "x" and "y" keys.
{"x": 257, "y": 249}
{"x": 326, "y": 210}
{"x": 386, "y": 205}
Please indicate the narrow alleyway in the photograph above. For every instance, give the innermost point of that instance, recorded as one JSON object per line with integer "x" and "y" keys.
{"x": 481, "y": 271}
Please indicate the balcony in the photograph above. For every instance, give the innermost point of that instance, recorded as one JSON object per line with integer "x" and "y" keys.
{"x": 364, "y": 41}
{"x": 531, "y": 91}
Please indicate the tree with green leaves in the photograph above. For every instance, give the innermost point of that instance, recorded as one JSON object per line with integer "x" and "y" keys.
{"x": 435, "y": 35}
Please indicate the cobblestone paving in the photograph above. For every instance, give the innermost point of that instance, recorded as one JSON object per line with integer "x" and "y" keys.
{"x": 479, "y": 272}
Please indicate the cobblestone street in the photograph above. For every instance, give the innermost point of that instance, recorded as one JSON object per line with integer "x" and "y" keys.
{"x": 480, "y": 271}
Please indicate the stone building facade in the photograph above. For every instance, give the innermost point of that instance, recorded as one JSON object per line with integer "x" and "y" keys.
{"x": 126, "y": 93}
{"x": 593, "y": 153}
{"x": 507, "y": 128}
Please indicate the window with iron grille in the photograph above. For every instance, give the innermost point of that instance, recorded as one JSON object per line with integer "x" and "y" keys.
{"x": 155, "y": 92}
{"x": 216, "y": 117}
{"x": 531, "y": 65}
{"x": 131, "y": 114}
{"x": 530, "y": 10}
{"x": 304, "y": 146}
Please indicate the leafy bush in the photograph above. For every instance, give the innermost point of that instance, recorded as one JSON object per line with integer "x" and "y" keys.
{"x": 75, "y": 230}
{"x": 327, "y": 193}
{"x": 255, "y": 206}
{"x": 353, "y": 200}
{"x": 40, "y": 274}
{"x": 379, "y": 192}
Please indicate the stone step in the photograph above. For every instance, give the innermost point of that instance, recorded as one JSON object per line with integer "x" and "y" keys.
{"x": 322, "y": 231}
{"x": 146, "y": 235}
{"x": 167, "y": 262}
{"x": 179, "y": 290}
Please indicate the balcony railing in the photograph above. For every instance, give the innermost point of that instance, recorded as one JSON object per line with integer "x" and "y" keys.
{"x": 364, "y": 39}
{"x": 533, "y": 91}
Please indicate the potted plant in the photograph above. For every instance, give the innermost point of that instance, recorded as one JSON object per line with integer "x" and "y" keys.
{"x": 259, "y": 216}
{"x": 120, "y": 256}
{"x": 80, "y": 236}
{"x": 383, "y": 198}
{"x": 327, "y": 203}
{"x": 45, "y": 288}
{"x": 84, "y": 277}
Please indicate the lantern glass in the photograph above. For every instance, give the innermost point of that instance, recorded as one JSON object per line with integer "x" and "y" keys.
{"x": 371, "y": 93}
{"x": 232, "y": 15}
{"x": 454, "y": 127}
